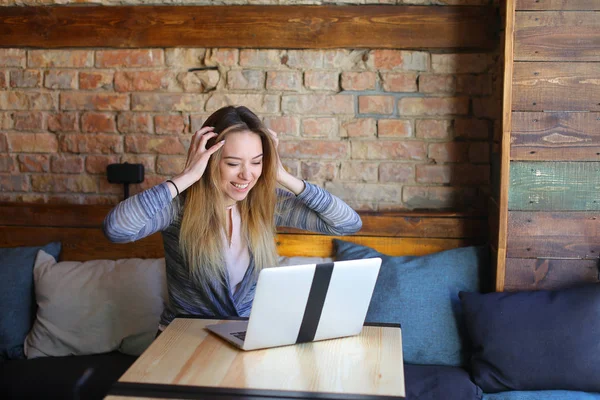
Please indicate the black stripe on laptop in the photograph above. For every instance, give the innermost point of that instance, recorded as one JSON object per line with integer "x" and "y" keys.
{"x": 314, "y": 304}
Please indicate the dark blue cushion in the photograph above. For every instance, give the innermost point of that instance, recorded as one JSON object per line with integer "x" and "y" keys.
{"x": 436, "y": 382}
{"x": 17, "y": 296}
{"x": 540, "y": 340}
{"x": 542, "y": 395}
{"x": 421, "y": 293}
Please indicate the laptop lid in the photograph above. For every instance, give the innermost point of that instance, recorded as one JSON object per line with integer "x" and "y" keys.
{"x": 303, "y": 303}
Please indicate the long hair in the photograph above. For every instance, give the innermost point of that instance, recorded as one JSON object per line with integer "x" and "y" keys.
{"x": 204, "y": 216}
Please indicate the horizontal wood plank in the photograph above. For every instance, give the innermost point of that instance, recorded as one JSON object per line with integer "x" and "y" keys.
{"x": 577, "y": 5}
{"x": 557, "y": 36}
{"x": 573, "y": 234}
{"x": 294, "y": 27}
{"x": 554, "y": 186}
{"x": 556, "y": 86}
{"x": 532, "y": 274}
{"x": 557, "y": 136}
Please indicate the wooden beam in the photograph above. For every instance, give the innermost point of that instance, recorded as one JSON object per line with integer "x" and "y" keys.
{"x": 289, "y": 27}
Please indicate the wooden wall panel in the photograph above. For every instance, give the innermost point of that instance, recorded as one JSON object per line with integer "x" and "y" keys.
{"x": 555, "y": 86}
{"x": 294, "y": 27}
{"x": 554, "y": 186}
{"x": 557, "y": 36}
{"x": 535, "y": 274}
{"x": 558, "y": 5}
{"x": 558, "y": 136}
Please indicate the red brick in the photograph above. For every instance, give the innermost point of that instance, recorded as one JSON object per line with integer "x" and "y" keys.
{"x": 474, "y": 85}
{"x": 321, "y": 80}
{"x": 60, "y": 58}
{"x": 472, "y": 128}
{"x": 168, "y": 102}
{"x": 285, "y": 125}
{"x": 437, "y": 197}
{"x": 28, "y": 121}
{"x": 155, "y": 145}
{"x": 61, "y": 163}
{"x": 149, "y": 181}
{"x": 304, "y": 59}
{"x": 100, "y": 199}
{"x": 96, "y": 80}
{"x": 14, "y": 183}
{"x": 198, "y": 81}
{"x": 319, "y": 127}
{"x": 246, "y": 79}
{"x": 196, "y": 122}
{"x": 376, "y": 104}
{"x": 259, "y": 103}
{"x": 461, "y": 63}
{"x": 359, "y": 80}
{"x": 7, "y": 163}
{"x": 225, "y": 57}
{"x": 318, "y": 104}
{"x": 313, "y": 170}
{"x": 365, "y": 192}
{"x": 34, "y": 162}
{"x": 487, "y": 107}
{"x": 33, "y": 142}
{"x": 449, "y": 152}
{"x": 142, "y": 81}
{"x": 94, "y": 101}
{"x": 147, "y": 160}
{"x": 26, "y": 101}
{"x": 362, "y": 127}
{"x": 60, "y": 79}
{"x": 479, "y": 152}
{"x": 359, "y": 171}
{"x": 185, "y": 58}
{"x": 97, "y": 164}
{"x": 64, "y": 183}
{"x": 3, "y": 143}
{"x": 3, "y": 79}
{"x": 434, "y": 129}
{"x": 463, "y": 174}
{"x": 394, "y": 128}
{"x": 388, "y": 150}
{"x": 284, "y": 80}
{"x": 399, "y": 60}
{"x": 92, "y": 122}
{"x": 28, "y": 78}
{"x": 260, "y": 58}
{"x": 129, "y": 58}
{"x": 134, "y": 123}
{"x": 395, "y": 172}
{"x": 170, "y": 124}
{"x": 16, "y": 58}
{"x": 433, "y": 106}
{"x": 291, "y": 166}
{"x": 344, "y": 60}
{"x": 432, "y": 83}
{"x": 94, "y": 144}
{"x": 313, "y": 149}
{"x": 6, "y": 121}
{"x": 170, "y": 165}
{"x": 63, "y": 122}
{"x": 399, "y": 82}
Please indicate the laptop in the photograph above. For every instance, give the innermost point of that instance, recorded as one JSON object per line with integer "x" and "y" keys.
{"x": 305, "y": 303}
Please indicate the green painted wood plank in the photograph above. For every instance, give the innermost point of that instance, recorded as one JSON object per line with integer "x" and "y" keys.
{"x": 554, "y": 186}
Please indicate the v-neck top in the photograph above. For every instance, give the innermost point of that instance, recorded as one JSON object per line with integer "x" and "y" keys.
{"x": 237, "y": 256}
{"x": 154, "y": 210}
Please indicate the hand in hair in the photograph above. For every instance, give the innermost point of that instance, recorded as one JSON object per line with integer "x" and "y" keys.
{"x": 284, "y": 178}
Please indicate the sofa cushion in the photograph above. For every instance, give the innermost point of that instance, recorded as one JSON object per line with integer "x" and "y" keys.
{"x": 17, "y": 297}
{"x": 542, "y": 395}
{"x": 96, "y": 306}
{"x": 535, "y": 340}
{"x": 56, "y": 377}
{"x": 435, "y": 382}
{"x": 421, "y": 293}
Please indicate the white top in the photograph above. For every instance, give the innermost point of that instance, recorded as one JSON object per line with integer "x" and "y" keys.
{"x": 237, "y": 257}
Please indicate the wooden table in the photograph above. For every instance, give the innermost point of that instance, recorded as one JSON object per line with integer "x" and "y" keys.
{"x": 187, "y": 361}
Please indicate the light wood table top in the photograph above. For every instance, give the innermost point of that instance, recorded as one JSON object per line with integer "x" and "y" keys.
{"x": 369, "y": 364}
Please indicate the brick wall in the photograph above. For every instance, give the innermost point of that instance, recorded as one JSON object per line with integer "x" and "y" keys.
{"x": 382, "y": 129}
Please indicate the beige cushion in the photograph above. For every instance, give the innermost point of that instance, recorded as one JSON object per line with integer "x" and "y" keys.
{"x": 96, "y": 306}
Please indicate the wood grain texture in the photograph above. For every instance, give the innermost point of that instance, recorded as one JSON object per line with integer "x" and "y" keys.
{"x": 577, "y": 5}
{"x": 554, "y": 186}
{"x": 299, "y": 27}
{"x": 538, "y": 274}
{"x": 557, "y": 136}
{"x": 557, "y": 36}
{"x": 555, "y": 86}
{"x": 187, "y": 354}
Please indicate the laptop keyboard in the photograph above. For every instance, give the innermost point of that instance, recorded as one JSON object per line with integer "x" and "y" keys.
{"x": 240, "y": 335}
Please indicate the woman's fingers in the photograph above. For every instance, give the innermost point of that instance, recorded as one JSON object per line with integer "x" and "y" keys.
{"x": 215, "y": 147}
{"x": 205, "y": 138}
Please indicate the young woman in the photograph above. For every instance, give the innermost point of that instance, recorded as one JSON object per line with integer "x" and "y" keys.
{"x": 221, "y": 232}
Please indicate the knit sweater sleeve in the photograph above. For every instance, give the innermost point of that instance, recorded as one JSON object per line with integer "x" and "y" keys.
{"x": 317, "y": 210}
{"x": 141, "y": 215}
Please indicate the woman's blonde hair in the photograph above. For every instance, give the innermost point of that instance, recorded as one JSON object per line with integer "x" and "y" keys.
{"x": 204, "y": 216}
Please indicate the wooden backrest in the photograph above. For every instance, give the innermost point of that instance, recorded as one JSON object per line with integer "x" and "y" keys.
{"x": 79, "y": 229}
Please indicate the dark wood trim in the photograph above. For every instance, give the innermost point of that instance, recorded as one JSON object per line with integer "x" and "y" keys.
{"x": 285, "y": 27}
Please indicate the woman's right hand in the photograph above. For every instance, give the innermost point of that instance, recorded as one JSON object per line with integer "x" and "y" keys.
{"x": 197, "y": 158}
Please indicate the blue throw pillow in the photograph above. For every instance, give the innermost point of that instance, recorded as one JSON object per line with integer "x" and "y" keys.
{"x": 17, "y": 296}
{"x": 542, "y": 395}
{"x": 421, "y": 293}
{"x": 540, "y": 340}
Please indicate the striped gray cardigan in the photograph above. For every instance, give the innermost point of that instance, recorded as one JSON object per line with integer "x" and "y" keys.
{"x": 153, "y": 210}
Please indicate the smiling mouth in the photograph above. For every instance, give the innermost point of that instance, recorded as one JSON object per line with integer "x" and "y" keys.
{"x": 240, "y": 186}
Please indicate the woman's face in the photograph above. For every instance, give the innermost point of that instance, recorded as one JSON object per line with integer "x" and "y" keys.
{"x": 240, "y": 165}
